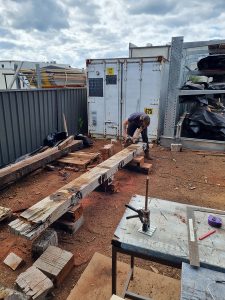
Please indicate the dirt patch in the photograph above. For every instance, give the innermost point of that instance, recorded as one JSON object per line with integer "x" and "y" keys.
{"x": 183, "y": 177}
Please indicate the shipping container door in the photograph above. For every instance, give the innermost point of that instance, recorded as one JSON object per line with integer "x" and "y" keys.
{"x": 95, "y": 84}
{"x": 131, "y": 88}
{"x": 141, "y": 90}
{"x": 150, "y": 94}
{"x": 103, "y": 101}
{"x": 112, "y": 97}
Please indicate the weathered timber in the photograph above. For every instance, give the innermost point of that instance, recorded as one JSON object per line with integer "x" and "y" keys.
{"x": 5, "y": 213}
{"x": 7, "y": 294}
{"x": 38, "y": 217}
{"x": 15, "y": 171}
{"x": 46, "y": 239}
{"x": 55, "y": 263}
{"x": 34, "y": 283}
{"x": 80, "y": 159}
{"x": 13, "y": 261}
{"x": 66, "y": 142}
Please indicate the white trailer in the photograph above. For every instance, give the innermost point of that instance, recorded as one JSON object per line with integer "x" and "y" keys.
{"x": 120, "y": 87}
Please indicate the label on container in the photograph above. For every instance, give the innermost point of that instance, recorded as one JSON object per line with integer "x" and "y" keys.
{"x": 148, "y": 111}
{"x": 110, "y": 71}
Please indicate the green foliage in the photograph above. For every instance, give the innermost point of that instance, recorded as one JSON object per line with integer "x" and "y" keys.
{"x": 80, "y": 124}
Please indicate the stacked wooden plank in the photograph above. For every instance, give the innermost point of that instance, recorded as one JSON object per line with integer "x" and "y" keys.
{"x": 15, "y": 171}
{"x": 80, "y": 159}
{"x": 38, "y": 217}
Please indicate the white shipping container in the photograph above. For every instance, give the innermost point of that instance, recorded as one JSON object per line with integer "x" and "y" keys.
{"x": 120, "y": 87}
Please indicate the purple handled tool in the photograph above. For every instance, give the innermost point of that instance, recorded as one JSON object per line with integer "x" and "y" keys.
{"x": 214, "y": 221}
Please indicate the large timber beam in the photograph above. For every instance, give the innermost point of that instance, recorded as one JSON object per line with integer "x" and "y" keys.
{"x": 15, "y": 171}
{"x": 37, "y": 218}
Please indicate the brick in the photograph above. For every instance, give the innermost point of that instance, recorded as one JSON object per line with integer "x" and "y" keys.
{"x": 73, "y": 214}
{"x": 138, "y": 160}
{"x": 107, "y": 151}
{"x": 70, "y": 227}
{"x": 144, "y": 168}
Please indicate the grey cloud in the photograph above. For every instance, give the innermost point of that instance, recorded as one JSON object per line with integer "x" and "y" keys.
{"x": 153, "y": 7}
{"x": 7, "y": 45}
{"x": 40, "y": 15}
{"x": 6, "y": 33}
{"x": 87, "y": 11}
{"x": 87, "y": 6}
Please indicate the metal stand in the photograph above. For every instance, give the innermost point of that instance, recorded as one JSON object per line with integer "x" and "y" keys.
{"x": 126, "y": 293}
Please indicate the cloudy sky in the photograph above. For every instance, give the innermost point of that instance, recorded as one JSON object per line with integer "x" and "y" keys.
{"x": 69, "y": 31}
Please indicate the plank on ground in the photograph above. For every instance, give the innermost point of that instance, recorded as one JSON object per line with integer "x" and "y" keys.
{"x": 77, "y": 162}
{"x": 26, "y": 166}
{"x": 80, "y": 154}
{"x": 81, "y": 159}
{"x": 98, "y": 276}
{"x": 38, "y": 217}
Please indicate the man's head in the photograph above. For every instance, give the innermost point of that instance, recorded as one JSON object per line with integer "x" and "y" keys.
{"x": 145, "y": 120}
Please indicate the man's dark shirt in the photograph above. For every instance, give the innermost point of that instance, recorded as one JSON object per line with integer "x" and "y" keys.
{"x": 134, "y": 122}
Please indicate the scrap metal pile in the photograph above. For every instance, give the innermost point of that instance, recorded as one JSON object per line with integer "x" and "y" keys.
{"x": 206, "y": 117}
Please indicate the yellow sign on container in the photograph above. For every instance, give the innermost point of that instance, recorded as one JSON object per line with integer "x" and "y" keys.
{"x": 110, "y": 71}
{"x": 148, "y": 111}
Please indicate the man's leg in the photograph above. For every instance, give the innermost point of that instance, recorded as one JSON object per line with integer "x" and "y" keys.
{"x": 144, "y": 135}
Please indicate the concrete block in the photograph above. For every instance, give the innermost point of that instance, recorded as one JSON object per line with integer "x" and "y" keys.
{"x": 47, "y": 238}
{"x": 176, "y": 147}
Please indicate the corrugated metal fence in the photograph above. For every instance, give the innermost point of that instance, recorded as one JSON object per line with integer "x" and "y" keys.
{"x": 28, "y": 116}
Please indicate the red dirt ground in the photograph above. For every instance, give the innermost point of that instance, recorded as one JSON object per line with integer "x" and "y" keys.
{"x": 182, "y": 177}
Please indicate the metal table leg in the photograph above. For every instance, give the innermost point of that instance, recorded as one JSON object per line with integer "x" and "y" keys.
{"x": 132, "y": 267}
{"x": 114, "y": 269}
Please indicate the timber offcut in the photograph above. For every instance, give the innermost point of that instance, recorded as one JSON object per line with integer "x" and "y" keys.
{"x": 37, "y": 218}
{"x": 15, "y": 171}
